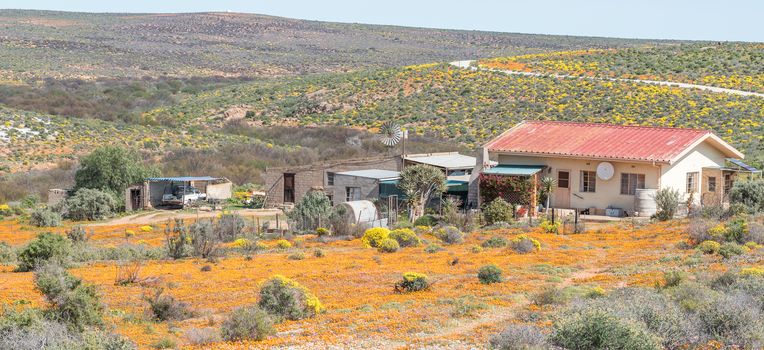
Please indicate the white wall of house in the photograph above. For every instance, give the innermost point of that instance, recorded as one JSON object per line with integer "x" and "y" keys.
{"x": 607, "y": 193}
{"x": 699, "y": 157}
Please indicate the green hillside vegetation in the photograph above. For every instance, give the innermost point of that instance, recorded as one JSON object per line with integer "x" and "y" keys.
{"x": 471, "y": 107}
{"x": 729, "y": 65}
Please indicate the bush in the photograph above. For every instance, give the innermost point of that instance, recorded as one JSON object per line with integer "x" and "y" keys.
{"x": 7, "y": 254}
{"x": 47, "y": 247}
{"x": 495, "y": 242}
{"x": 177, "y": 239}
{"x": 490, "y": 274}
{"x": 319, "y": 253}
{"x": 205, "y": 243}
{"x": 165, "y": 307}
{"x": 78, "y": 234}
{"x": 700, "y": 229}
{"x": 498, "y": 211}
{"x": 45, "y": 218}
{"x": 412, "y": 282}
{"x": 322, "y": 231}
{"x": 308, "y": 213}
{"x": 523, "y": 244}
{"x": 283, "y": 244}
{"x": 520, "y": 337}
{"x": 730, "y": 249}
{"x": 202, "y": 336}
{"x": 755, "y": 233}
{"x": 426, "y": 220}
{"x": 550, "y": 295}
{"x": 405, "y": 237}
{"x": 112, "y": 169}
{"x": 550, "y": 227}
{"x": 734, "y": 318}
{"x": 667, "y": 202}
{"x": 450, "y": 235}
{"x": 89, "y": 204}
{"x": 389, "y": 245}
{"x": 600, "y": 330}
{"x": 229, "y": 227}
{"x": 288, "y": 299}
{"x": 433, "y": 248}
{"x": 374, "y": 236}
{"x": 748, "y": 193}
{"x": 247, "y": 323}
{"x": 709, "y": 247}
{"x": 72, "y": 302}
{"x": 296, "y": 256}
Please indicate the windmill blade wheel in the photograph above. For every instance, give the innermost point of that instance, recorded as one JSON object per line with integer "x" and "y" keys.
{"x": 390, "y": 134}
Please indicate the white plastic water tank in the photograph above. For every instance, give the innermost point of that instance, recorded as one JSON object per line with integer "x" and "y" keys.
{"x": 357, "y": 212}
{"x": 644, "y": 202}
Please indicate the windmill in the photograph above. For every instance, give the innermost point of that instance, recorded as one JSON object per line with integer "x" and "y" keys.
{"x": 390, "y": 134}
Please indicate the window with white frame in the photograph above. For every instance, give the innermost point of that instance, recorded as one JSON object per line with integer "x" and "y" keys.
{"x": 692, "y": 182}
{"x": 631, "y": 182}
{"x": 588, "y": 181}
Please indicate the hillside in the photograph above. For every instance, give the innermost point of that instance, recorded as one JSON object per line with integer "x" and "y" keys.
{"x": 728, "y": 65}
{"x": 63, "y": 45}
{"x": 471, "y": 106}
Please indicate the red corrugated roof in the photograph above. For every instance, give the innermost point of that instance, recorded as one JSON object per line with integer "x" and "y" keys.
{"x": 601, "y": 141}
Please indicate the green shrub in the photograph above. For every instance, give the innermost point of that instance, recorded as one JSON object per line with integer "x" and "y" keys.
{"x": 450, "y": 235}
{"x": 600, "y": 330}
{"x": 247, "y": 323}
{"x": 78, "y": 234}
{"x": 550, "y": 295}
{"x": 426, "y": 220}
{"x": 205, "y": 242}
{"x": 405, "y": 237}
{"x": 433, "y": 248}
{"x": 709, "y": 247}
{"x": 374, "y": 236}
{"x": 550, "y": 227}
{"x": 283, "y": 244}
{"x": 72, "y": 302}
{"x": 296, "y": 256}
{"x": 734, "y": 318}
{"x": 286, "y": 298}
{"x": 47, "y": 247}
{"x": 309, "y": 212}
{"x": 389, "y": 245}
{"x": 730, "y": 249}
{"x": 673, "y": 278}
{"x": 736, "y": 230}
{"x": 178, "y": 239}
{"x": 164, "y": 343}
{"x": 45, "y": 218}
{"x": 523, "y": 244}
{"x": 165, "y": 307}
{"x": 667, "y": 202}
{"x": 498, "y": 211}
{"x": 520, "y": 337}
{"x": 322, "y": 231}
{"x": 412, "y": 282}
{"x": 89, "y": 204}
{"x": 748, "y": 193}
{"x": 495, "y": 242}
{"x": 319, "y": 253}
{"x": 229, "y": 227}
{"x": 7, "y": 254}
{"x": 490, "y": 274}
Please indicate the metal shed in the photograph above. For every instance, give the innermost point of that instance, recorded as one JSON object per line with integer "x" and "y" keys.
{"x": 149, "y": 194}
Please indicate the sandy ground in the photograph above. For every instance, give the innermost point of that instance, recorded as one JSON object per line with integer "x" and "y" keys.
{"x": 158, "y": 216}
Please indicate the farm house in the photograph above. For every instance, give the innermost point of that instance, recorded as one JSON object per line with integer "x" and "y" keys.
{"x": 605, "y": 169}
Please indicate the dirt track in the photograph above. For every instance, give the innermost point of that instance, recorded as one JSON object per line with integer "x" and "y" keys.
{"x": 157, "y": 216}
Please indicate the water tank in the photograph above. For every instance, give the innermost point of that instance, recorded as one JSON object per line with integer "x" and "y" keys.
{"x": 644, "y": 202}
{"x": 357, "y": 212}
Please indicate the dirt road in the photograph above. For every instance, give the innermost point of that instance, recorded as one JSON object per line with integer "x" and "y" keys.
{"x": 158, "y": 216}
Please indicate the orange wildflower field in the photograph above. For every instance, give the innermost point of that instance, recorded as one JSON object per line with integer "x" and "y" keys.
{"x": 356, "y": 284}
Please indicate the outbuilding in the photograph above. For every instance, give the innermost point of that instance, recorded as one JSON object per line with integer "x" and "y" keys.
{"x": 177, "y": 192}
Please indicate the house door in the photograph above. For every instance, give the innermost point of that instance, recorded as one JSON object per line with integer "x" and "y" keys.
{"x": 135, "y": 199}
{"x": 562, "y": 192}
{"x": 288, "y": 188}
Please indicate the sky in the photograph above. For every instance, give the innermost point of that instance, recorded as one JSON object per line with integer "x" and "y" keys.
{"x": 721, "y": 20}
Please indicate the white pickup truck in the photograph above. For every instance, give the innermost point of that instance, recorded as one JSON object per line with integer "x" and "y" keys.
{"x": 183, "y": 195}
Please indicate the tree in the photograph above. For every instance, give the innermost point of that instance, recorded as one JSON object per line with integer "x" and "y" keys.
{"x": 548, "y": 184}
{"x": 112, "y": 169}
{"x": 749, "y": 193}
{"x": 419, "y": 183}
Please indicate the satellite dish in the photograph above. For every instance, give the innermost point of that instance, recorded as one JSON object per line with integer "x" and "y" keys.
{"x": 605, "y": 171}
{"x": 390, "y": 134}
